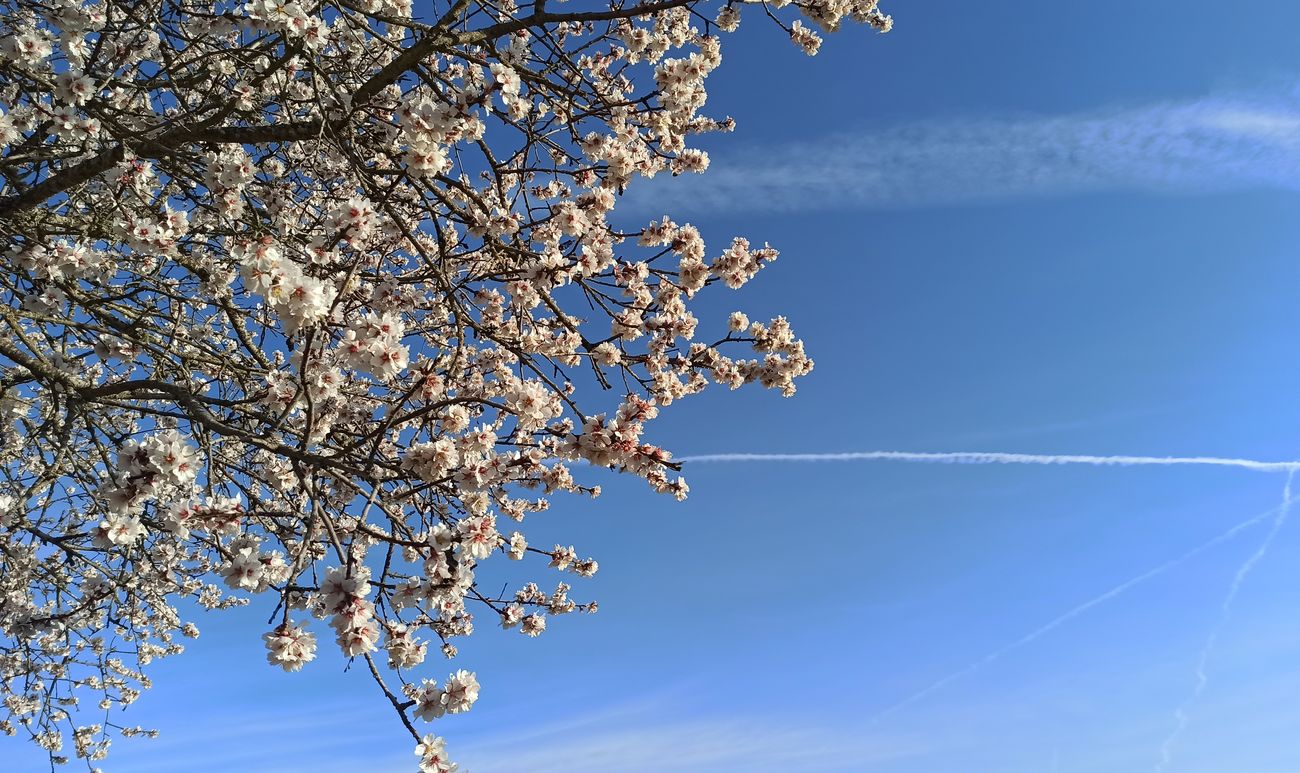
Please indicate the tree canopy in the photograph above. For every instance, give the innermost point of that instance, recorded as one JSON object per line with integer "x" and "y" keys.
{"x": 312, "y": 303}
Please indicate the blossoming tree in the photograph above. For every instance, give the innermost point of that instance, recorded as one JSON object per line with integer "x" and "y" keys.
{"x": 296, "y": 295}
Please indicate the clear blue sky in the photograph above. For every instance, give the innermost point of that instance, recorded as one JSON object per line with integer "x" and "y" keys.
{"x": 1043, "y": 227}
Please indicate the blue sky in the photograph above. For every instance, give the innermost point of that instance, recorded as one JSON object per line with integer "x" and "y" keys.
{"x": 1038, "y": 227}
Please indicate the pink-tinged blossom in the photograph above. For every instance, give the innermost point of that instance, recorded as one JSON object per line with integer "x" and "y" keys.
{"x": 517, "y": 546}
{"x": 532, "y": 625}
{"x": 428, "y": 700}
{"x": 512, "y": 615}
{"x": 290, "y": 646}
{"x": 460, "y": 692}
{"x": 404, "y": 651}
{"x": 118, "y": 531}
{"x": 432, "y": 752}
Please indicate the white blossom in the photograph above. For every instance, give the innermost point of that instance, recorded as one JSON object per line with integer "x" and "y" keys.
{"x": 305, "y": 299}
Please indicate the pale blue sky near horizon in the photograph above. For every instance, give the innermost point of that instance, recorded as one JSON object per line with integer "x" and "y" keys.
{"x": 965, "y": 281}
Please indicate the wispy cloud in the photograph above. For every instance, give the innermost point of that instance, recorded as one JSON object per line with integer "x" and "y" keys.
{"x": 749, "y": 743}
{"x": 1212, "y": 144}
{"x": 999, "y": 457}
{"x": 325, "y": 737}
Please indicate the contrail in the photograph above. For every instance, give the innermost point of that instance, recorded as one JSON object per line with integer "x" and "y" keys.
{"x": 1225, "y": 611}
{"x": 1057, "y": 622}
{"x": 997, "y": 457}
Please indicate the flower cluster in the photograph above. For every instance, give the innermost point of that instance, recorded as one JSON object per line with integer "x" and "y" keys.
{"x": 456, "y": 696}
{"x": 298, "y": 299}
{"x": 805, "y": 38}
{"x": 61, "y": 260}
{"x": 404, "y": 651}
{"x": 251, "y": 569}
{"x": 373, "y": 343}
{"x": 155, "y": 235}
{"x": 290, "y": 18}
{"x": 226, "y": 174}
{"x": 343, "y": 599}
{"x": 162, "y": 464}
{"x": 430, "y": 126}
{"x": 432, "y": 752}
{"x": 290, "y": 646}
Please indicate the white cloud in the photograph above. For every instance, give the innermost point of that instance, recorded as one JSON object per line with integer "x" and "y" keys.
{"x": 1264, "y": 124}
{"x": 1206, "y": 145}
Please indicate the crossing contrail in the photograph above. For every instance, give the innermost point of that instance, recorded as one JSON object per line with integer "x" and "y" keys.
{"x": 1225, "y": 611}
{"x": 997, "y": 457}
{"x": 1066, "y": 617}
{"x": 1279, "y": 514}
